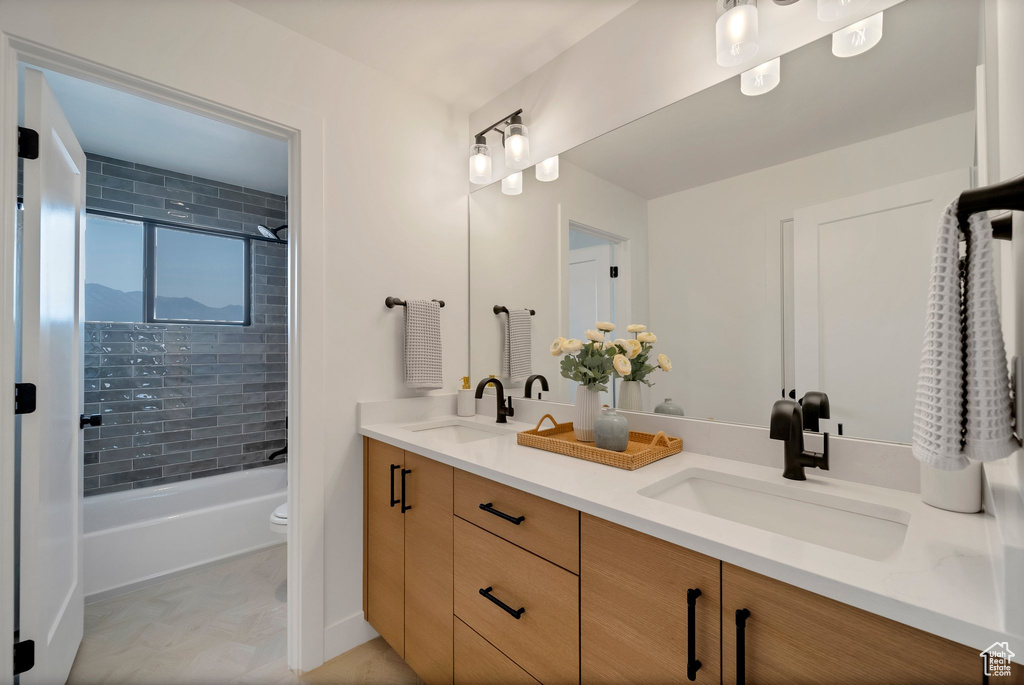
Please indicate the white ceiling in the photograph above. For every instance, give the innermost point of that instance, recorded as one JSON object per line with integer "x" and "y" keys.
{"x": 115, "y": 124}
{"x": 464, "y": 52}
{"x": 923, "y": 70}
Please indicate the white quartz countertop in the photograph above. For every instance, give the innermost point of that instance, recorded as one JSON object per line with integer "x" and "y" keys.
{"x": 942, "y": 580}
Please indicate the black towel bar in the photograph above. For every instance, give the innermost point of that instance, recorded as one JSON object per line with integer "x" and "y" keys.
{"x": 392, "y": 302}
{"x": 499, "y": 309}
{"x": 1005, "y": 195}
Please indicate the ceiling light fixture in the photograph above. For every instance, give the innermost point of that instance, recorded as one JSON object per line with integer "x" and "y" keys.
{"x": 762, "y": 78}
{"x": 512, "y": 185}
{"x": 736, "y": 32}
{"x": 514, "y": 138}
{"x": 857, "y": 38}
{"x": 831, "y": 10}
{"x": 479, "y": 161}
{"x": 548, "y": 169}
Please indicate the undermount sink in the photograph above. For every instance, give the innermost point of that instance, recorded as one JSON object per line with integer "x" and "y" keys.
{"x": 866, "y": 529}
{"x": 458, "y": 430}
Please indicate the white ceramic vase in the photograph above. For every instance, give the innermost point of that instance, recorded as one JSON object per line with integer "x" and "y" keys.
{"x": 630, "y": 398}
{"x": 588, "y": 403}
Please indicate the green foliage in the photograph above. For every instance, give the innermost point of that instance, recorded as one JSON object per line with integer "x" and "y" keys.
{"x": 591, "y": 366}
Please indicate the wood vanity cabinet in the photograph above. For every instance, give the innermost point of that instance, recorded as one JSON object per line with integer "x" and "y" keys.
{"x": 634, "y": 608}
{"x": 409, "y": 556}
{"x": 794, "y": 636}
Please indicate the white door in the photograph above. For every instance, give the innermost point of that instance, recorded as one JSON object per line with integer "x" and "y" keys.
{"x": 51, "y": 598}
{"x": 861, "y": 271}
{"x": 590, "y": 296}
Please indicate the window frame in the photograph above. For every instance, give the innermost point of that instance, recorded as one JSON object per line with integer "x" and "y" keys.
{"x": 149, "y": 227}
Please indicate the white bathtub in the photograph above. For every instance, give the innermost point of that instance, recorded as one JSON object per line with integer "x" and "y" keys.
{"x": 138, "y": 537}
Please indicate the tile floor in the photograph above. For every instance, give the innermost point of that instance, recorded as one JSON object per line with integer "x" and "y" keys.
{"x": 225, "y": 624}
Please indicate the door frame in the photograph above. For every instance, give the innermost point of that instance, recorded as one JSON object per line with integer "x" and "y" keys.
{"x": 304, "y": 132}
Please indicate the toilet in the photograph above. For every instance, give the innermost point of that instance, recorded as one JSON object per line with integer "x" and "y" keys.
{"x": 279, "y": 520}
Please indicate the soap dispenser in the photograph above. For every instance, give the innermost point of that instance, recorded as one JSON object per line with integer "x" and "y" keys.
{"x": 466, "y": 402}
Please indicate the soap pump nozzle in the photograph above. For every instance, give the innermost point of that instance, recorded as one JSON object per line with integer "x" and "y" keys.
{"x": 465, "y": 383}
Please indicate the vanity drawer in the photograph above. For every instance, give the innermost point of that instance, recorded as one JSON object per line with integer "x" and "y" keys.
{"x": 544, "y": 640}
{"x": 545, "y": 528}
{"x": 478, "y": 662}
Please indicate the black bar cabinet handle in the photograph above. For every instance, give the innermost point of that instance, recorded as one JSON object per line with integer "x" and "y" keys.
{"x": 489, "y": 508}
{"x": 394, "y": 467}
{"x": 741, "y": 645}
{"x": 405, "y": 508}
{"x": 692, "y": 664}
{"x": 515, "y": 613}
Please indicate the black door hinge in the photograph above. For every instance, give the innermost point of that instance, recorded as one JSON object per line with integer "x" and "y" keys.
{"x": 24, "y": 398}
{"x": 28, "y": 143}
{"x": 24, "y": 656}
{"x": 615, "y": 272}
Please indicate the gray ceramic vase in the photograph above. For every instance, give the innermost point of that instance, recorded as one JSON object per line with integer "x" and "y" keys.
{"x": 611, "y": 431}
{"x": 669, "y": 407}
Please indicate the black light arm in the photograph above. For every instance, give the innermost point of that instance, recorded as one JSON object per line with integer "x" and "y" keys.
{"x": 495, "y": 125}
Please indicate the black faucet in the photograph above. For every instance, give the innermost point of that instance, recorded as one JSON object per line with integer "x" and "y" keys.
{"x": 529, "y": 385}
{"x": 503, "y": 411}
{"x": 815, "y": 407}
{"x": 787, "y": 424}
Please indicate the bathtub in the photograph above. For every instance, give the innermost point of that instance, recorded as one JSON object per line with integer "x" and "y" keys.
{"x": 139, "y": 537}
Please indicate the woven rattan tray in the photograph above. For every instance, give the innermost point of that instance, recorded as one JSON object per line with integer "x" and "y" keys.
{"x": 643, "y": 448}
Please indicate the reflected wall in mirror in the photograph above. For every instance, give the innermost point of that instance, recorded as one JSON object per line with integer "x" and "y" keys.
{"x": 775, "y": 244}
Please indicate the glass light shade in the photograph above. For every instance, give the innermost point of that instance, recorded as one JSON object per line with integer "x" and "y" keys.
{"x": 831, "y": 10}
{"x": 857, "y": 38}
{"x": 548, "y": 169}
{"x": 761, "y": 78}
{"x": 517, "y": 147}
{"x": 479, "y": 164}
{"x": 736, "y": 35}
{"x": 512, "y": 185}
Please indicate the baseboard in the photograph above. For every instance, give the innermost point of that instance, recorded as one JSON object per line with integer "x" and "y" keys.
{"x": 343, "y": 635}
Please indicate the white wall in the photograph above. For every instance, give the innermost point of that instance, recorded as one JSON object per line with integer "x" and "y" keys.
{"x": 391, "y": 191}
{"x": 519, "y": 256}
{"x": 715, "y": 262}
{"x": 653, "y": 54}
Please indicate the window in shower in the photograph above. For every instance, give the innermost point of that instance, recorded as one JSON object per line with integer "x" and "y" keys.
{"x": 198, "y": 277}
{"x": 145, "y": 272}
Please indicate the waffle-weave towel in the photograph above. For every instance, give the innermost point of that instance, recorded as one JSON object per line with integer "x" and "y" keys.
{"x": 516, "y": 345}
{"x": 423, "y": 344}
{"x": 938, "y": 411}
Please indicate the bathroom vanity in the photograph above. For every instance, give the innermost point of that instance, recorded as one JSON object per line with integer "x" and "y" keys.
{"x": 486, "y": 561}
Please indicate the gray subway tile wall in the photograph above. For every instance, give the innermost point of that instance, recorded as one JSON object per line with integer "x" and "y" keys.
{"x": 183, "y": 401}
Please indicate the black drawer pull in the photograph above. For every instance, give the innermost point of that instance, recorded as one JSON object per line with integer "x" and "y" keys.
{"x": 516, "y": 613}
{"x": 394, "y": 467}
{"x": 405, "y": 472}
{"x": 489, "y": 508}
{"x": 692, "y": 664}
{"x": 741, "y": 645}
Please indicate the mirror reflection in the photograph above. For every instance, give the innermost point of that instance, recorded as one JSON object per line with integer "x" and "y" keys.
{"x": 770, "y": 245}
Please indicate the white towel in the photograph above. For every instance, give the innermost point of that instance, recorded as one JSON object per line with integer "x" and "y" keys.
{"x": 940, "y": 391}
{"x": 423, "y": 344}
{"x": 516, "y": 345}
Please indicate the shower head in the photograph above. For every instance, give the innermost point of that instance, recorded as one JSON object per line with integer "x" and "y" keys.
{"x": 272, "y": 232}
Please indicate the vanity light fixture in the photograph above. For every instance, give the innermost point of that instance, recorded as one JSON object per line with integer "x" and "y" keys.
{"x": 857, "y": 38}
{"x": 479, "y": 161}
{"x": 736, "y": 32}
{"x": 548, "y": 169}
{"x": 762, "y": 78}
{"x": 512, "y": 185}
{"x": 515, "y": 140}
{"x": 831, "y": 10}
